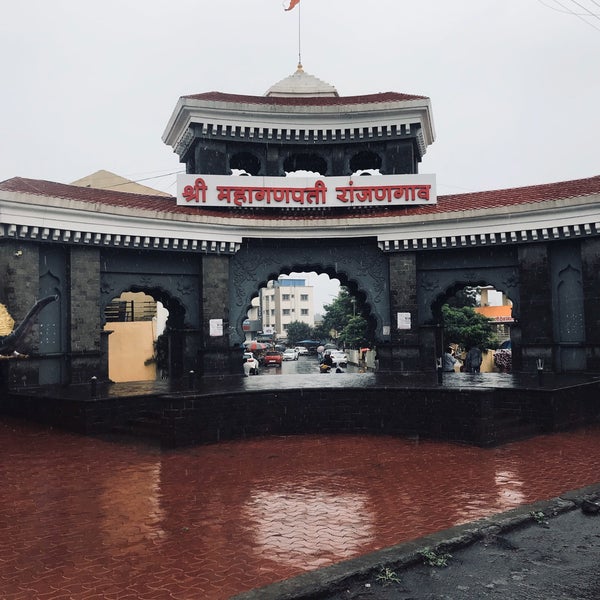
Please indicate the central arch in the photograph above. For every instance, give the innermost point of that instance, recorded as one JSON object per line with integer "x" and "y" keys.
{"x": 358, "y": 264}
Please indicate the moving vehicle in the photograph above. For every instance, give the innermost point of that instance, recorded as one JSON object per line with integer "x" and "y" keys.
{"x": 250, "y": 358}
{"x": 272, "y": 357}
{"x": 339, "y": 358}
{"x": 301, "y": 350}
{"x": 289, "y": 354}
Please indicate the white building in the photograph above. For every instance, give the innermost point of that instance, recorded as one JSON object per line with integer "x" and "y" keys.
{"x": 284, "y": 301}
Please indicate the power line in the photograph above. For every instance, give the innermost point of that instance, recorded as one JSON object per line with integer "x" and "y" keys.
{"x": 586, "y": 9}
{"x": 568, "y": 11}
{"x": 129, "y": 181}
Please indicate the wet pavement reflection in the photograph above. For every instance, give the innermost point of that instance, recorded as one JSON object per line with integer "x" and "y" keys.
{"x": 87, "y": 518}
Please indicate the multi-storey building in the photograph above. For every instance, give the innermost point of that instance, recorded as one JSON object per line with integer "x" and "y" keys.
{"x": 284, "y": 301}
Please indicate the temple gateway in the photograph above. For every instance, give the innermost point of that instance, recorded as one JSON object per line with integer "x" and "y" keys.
{"x": 363, "y": 214}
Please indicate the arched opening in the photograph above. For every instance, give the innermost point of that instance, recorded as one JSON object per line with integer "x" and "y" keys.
{"x": 295, "y": 306}
{"x": 475, "y": 319}
{"x": 145, "y": 343}
{"x": 305, "y": 162}
{"x": 365, "y": 162}
{"x": 245, "y": 162}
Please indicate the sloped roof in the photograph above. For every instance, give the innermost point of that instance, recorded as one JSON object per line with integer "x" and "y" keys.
{"x": 305, "y": 101}
{"x": 498, "y": 313}
{"x": 107, "y": 180}
{"x": 476, "y": 201}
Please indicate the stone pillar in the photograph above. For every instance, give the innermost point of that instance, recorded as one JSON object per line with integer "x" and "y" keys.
{"x": 87, "y": 358}
{"x": 535, "y": 319}
{"x": 216, "y": 357}
{"x": 19, "y": 264}
{"x": 406, "y": 354}
{"x": 339, "y": 163}
{"x": 274, "y": 162}
{"x": 590, "y": 263}
{"x": 399, "y": 159}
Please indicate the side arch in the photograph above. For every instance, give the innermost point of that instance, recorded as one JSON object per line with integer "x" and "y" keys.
{"x": 434, "y": 287}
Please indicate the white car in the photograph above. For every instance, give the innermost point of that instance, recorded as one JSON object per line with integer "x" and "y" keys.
{"x": 250, "y": 359}
{"x": 290, "y": 354}
{"x": 339, "y": 358}
{"x": 301, "y": 350}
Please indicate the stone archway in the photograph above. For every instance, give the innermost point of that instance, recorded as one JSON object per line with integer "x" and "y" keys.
{"x": 434, "y": 287}
{"x": 180, "y": 348}
{"x": 357, "y": 263}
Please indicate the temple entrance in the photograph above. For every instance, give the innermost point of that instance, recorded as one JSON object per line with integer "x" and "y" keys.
{"x": 357, "y": 264}
{"x": 309, "y": 306}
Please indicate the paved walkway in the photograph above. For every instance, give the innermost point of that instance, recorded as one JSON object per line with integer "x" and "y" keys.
{"x": 85, "y": 518}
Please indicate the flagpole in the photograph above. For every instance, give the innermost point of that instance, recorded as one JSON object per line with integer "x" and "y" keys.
{"x": 299, "y": 38}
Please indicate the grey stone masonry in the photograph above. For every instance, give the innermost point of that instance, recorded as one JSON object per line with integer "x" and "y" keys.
{"x": 403, "y": 299}
{"x": 87, "y": 358}
{"x": 215, "y": 305}
{"x": 536, "y": 319}
{"x": 590, "y": 259}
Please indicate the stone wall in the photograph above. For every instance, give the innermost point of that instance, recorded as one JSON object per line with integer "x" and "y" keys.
{"x": 406, "y": 349}
{"x": 88, "y": 357}
{"x": 536, "y": 319}
{"x": 590, "y": 259}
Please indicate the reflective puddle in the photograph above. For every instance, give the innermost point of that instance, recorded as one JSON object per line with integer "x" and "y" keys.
{"x": 86, "y": 518}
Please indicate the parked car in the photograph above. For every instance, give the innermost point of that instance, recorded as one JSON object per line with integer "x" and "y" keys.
{"x": 250, "y": 358}
{"x": 301, "y": 350}
{"x": 272, "y": 357}
{"x": 339, "y": 358}
{"x": 289, "y": 354}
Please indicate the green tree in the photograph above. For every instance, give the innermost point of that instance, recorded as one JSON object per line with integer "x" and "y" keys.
{"x": 339, "y": 312}
{"x": 466, "y": 327}
{"x": 354, "y": 334}
{"x": 296, "y": 331}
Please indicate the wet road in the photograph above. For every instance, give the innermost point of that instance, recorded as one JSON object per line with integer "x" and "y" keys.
{"x": 305, "y": 365}
{"x": 87, "y": 518}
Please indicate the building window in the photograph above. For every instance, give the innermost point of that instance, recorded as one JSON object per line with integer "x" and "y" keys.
{"x": 285, "y": 312}
{"x": 304, "y": 297}
{"x": 304, "y": 312}
{"x": 285, "y": 296}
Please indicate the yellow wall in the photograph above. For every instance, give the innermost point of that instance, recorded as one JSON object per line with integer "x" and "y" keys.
{"x": 129, "y": 345}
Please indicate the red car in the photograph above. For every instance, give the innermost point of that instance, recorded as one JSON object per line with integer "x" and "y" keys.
{"x": 272, "y": 358}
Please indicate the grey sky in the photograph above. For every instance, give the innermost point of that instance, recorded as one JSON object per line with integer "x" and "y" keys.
{"x": 514, "y": 84}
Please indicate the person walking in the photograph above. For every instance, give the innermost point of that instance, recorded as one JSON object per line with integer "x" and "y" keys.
{"x": 473, "y": 360}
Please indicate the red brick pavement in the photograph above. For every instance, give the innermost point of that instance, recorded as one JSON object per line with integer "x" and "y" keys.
{"x": 84, "y": 518}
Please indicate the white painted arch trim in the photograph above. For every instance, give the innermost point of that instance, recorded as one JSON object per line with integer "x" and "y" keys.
{"x": 41, "y": 218}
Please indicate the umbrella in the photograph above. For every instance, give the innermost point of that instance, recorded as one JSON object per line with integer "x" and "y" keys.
{"x": 254, "y": 345}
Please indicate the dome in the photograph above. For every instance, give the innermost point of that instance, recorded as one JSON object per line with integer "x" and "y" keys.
{"x": 301, "y": 85}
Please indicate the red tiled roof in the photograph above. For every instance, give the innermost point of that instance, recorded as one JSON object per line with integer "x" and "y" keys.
{"x": 446, "y": 204}
{"x": 299, "y": 101}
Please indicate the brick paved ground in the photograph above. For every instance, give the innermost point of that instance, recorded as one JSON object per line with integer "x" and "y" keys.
{"x": 86, "y": 518}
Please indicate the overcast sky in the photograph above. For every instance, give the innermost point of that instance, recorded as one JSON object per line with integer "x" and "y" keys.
{"x": 514, "y": 84}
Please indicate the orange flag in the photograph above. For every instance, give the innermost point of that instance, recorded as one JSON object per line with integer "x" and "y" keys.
{"x": 292, "y": 4}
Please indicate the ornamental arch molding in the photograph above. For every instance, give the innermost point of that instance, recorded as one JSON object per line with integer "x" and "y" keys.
{"x": 435, "y": 286}
{"x": 358, "y": 263}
